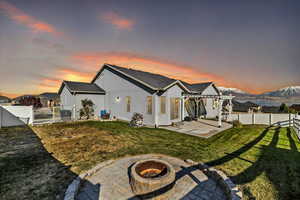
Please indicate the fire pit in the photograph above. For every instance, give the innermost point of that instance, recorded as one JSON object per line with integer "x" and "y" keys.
{"x": 151, "y": 177}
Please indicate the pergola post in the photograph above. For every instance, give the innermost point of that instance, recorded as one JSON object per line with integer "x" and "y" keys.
{"x": 220, "y": 113}
{"x": 230, "y": 108}
{"x": 182, "y": 108}
{"x": 197, "y": 100}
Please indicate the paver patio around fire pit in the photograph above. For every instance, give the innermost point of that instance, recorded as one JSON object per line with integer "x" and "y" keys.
{"x": 113, "y": 182}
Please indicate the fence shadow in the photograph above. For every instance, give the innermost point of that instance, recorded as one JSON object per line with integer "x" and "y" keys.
{"x": 278, "y": 164}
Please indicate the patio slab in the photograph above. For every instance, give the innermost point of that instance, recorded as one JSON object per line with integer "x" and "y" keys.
{"x": 201, "y": 128}
{"x": 112, "y": 182}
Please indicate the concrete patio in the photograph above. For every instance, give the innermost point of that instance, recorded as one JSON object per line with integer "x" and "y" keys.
{"x": 201, "y": 128}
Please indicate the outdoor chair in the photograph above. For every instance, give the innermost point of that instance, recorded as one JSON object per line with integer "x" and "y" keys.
{"x": 104, "y": 114}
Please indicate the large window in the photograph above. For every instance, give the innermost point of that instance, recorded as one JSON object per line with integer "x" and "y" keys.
{"x": 174, "y": 106}
{"x": 128, "y": 103}
{"x": 163, "y": 105}
{"x": 149, "y": 105}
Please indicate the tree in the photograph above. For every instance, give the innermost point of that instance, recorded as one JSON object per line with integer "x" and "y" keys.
{"x": 283, "y": 108}
{"x": 87, "y": 110}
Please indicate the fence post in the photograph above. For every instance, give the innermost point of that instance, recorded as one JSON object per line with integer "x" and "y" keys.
{"x": 270, "y": 119}
{"x": 238, "y": 117}
{"x": 53, "y": 113}
{"x": 1, "y": 117}
{"x": 253, "y": 118}
{"x": 289, "y": 119}
{"x": 74, "y": 112}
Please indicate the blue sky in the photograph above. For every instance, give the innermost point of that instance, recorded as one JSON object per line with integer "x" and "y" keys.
{"x": 251, "y": 45}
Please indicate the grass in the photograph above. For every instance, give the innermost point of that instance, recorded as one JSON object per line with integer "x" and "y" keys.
{"x": 264, "y": 162}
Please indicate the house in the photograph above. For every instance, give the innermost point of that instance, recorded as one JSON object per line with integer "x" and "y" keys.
{"x": 161, "y": 100}
{"x": 27, "y": 100}
{"x": 4, "y": 100}
{"x": 49, "y": 99}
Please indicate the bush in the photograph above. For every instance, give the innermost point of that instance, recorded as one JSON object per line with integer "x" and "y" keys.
{"x": 87, "y": 110}
{"x": 237, "y": 124}
{"x": 137, "y": 120}
{"x": 188, "y": 119}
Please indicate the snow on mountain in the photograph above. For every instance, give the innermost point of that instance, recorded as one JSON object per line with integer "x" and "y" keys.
{"x": 284, "y": 92}
{"x": 225, "y": 90}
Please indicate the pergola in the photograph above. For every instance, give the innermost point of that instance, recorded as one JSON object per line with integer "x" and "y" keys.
{"x": 220, "y": 98}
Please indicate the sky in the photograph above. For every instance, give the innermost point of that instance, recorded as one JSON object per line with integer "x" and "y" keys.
{"x": 251, "y": 45}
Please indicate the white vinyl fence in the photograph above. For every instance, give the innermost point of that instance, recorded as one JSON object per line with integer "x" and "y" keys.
{"x": 15, "y": 115}
{"x": 284, "y": 120}
{"x": 53, "y": 114}
{"x": 296, "y": 125}
{"x": 265, "y": 118}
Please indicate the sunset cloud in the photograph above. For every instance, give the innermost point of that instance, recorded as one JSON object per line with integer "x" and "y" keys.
{"x": 62, "y": 73}
{"x": 93, "y": 61}
{"x": 118, "y": 21}
{"x": 88, "y": 64}
{"x": 20, "y": 17}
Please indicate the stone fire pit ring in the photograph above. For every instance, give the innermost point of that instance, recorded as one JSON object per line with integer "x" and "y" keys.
{"x": 151, "y": 176}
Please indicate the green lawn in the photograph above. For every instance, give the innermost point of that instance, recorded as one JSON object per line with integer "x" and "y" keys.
{"x": 264, "y": 162}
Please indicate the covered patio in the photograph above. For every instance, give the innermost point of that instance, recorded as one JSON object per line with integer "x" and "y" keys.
{"x": 201, "y": 128}
{"x": 224, "y": 113}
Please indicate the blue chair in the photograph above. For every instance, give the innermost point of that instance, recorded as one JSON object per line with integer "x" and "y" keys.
{"x": 104, "y": 114}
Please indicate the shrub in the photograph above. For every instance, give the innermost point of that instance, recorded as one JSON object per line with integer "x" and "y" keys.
{"x": 137, "y": 120}
{"x": 188, "y": 119}
{"x": 87, "y": 110}
{"x": 237, "y": 124}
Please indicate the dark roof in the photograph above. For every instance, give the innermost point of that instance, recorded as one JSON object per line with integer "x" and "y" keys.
{"x": 197, "y": 87}
{"x": 50, "y": 95}
{"x": 81, "y": 87}
{"x": 4, "y": 99}
{"x": 242, "y": 106}
{"x": 296, "y": 107}
{"x": 153, "y": 81}
{"x": 156, "y": 81}
{"x": 24, "y": 96}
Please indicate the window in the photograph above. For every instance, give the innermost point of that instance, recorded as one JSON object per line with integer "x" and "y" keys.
{"x": 128, "y": 103}
{"x": 163, "y": 105}
{"x": 149, "y": 105}
{"x": 174, "y": 106}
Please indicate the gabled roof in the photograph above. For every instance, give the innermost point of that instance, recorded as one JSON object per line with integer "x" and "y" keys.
{"x": 154, "y": 82}
{"x": 49, "y": 95}
{"x": 81, "y": 88}
{"x": 4, "y": 99}
{"x": 148, "y": 81}
{"x": 199, "y": 87}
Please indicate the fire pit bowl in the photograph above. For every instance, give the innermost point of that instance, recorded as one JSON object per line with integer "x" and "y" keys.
{"x": 152, "y": 177}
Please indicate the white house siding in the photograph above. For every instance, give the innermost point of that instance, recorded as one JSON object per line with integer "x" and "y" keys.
{"x": 173, "y": 92}
{"x": 97, "y": 99}
{"x": 211, "y": 112}
{"x": 116, "y": 86}
{"x": 67, "y": 99}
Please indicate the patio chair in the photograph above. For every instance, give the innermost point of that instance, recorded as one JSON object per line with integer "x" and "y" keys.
{"x": 104, "y": 114}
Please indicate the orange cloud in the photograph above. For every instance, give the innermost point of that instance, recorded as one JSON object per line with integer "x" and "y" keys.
{"x": 63, "y": 73}
{"x": 117, "y": 20}
{"x": 93, "y": 61}
{"x": 20, "y": 17}
{"x": 10, "y": 95}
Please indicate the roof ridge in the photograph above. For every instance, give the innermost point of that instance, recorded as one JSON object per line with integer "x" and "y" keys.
{"x": 138, "y": 70}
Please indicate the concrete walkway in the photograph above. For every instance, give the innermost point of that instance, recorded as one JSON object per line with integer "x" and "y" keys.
{"x": 201, "y": 128}
{"x": 112, "y": 182}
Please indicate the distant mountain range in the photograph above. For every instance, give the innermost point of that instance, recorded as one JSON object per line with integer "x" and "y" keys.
{"x": 292, "y": 91}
